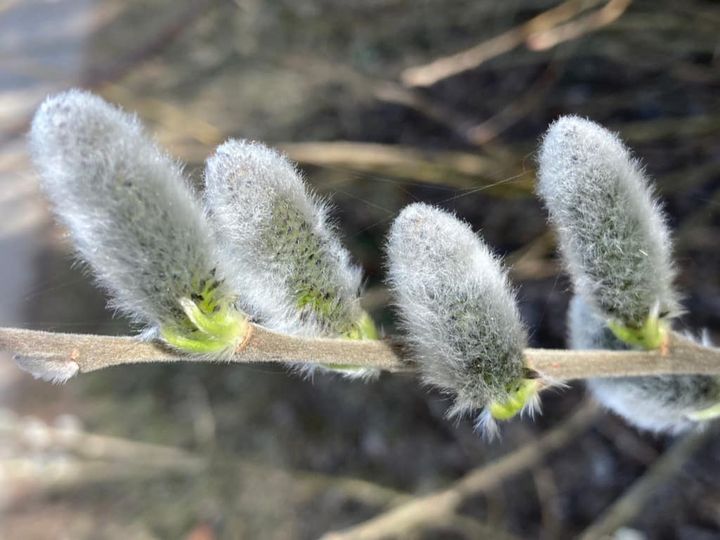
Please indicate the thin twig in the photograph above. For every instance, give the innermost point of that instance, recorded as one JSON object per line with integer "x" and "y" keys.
{"x": 467, "y": 527}
{"x": 609, "y": 13}
{"x": 391, "y": 92}
{"x": 26, "y": 477}
{"x": 47, "y": 352}
{"x": 91, "y": 446}
{"x": 628, "y": 441}
{"x": 517, "y": 109}
{"x": 632, "y": 502}
{"x": 547, "y": 495}
{"x": 469, "y": 171}
{"x": 448, "y": 66}
{"x": 434, "y": 508}
{"x": 90, "y": 458}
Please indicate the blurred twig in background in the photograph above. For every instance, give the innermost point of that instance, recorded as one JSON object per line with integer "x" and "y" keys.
{"x": 622, "y": 511}
{"x": 535, "y": 30}
{"x": 431, "y": 510}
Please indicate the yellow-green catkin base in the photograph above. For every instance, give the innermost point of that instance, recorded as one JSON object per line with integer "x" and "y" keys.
{"x": 520, "y": 396}
{"x": 651, "y": 335}
{"x": 212, "y": 324}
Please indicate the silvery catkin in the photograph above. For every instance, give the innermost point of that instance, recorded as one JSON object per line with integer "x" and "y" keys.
{"x": 135, "y": 222}
{"x": 458, "y": 314}
{"x": 612, "y": 233}
{"x": 289, "y": 264}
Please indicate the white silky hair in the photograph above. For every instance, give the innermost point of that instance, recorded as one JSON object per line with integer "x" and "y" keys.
{"x": 456, "y": 308}
{"x": 612, "y": 232}
{"x": 48, "y": 369}
{"x": 661, "y": 404}
{"x": 279, "y": 240}
{"x": 132, "y": 216}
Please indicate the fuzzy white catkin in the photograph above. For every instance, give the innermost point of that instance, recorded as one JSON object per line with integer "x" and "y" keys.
{"x": 288, "y": 263}
{"x": 279, "y": 242}
{"x": 612, "y": 233}
{"x": 456, "y": 308}
{"x": 129, "y": 210}
{"x": 663, "y": 403}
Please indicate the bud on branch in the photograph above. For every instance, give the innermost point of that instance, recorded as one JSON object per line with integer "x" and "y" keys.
{"x": 258, "y": 274}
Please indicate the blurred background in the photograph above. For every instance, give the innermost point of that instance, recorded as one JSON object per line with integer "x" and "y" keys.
{"x": 382, "y": 102}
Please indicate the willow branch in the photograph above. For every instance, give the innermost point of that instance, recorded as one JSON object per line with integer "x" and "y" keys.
{"x": 48, "y": 352}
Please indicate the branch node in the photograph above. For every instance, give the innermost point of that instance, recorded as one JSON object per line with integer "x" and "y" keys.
{"x": 247, "y": 334}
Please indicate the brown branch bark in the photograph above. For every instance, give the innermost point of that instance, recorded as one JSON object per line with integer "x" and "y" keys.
{"x": 46, "y": 352}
